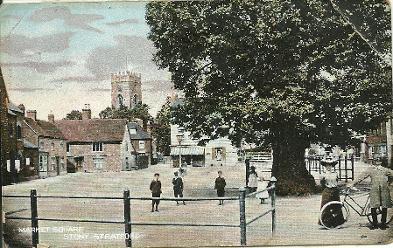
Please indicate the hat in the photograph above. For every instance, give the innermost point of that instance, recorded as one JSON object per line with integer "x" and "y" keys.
{"x": 176, "y": 173}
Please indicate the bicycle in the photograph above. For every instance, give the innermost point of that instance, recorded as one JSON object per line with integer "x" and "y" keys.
{"x": 332, "y": 209}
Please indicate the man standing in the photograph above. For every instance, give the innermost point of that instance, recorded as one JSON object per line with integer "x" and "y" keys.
{"x": 220, "y": 187}
{"x": 379, "y": 193}
{"x": 155, "y": 188}
{"x": 178, "y": 187}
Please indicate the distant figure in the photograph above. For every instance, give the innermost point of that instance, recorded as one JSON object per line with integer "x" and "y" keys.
{"x": 178, "y": 187}
{"x": 182, "y": 169}
{"x": 220, "y": 186}
{"x": 252, "y": 180}
{"x": 155, "y": 188}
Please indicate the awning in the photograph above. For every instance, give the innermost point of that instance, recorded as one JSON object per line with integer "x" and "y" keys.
{"x": 187, "y": 150}
{"x": 27, "y": 144}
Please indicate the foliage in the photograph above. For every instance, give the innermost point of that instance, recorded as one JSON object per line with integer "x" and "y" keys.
{"x": 285, "y": 73}
{"x": 162, "y": 129}
{"x": 140, "y": 111}
{"x": 73, "y": 115}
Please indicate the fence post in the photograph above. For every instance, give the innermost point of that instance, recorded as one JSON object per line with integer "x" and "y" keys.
{"x": 34, "y": 216}
{"x": 273, "y": 181}
{"x": 127, "y": 217}
{"x": 353, "y": 167}
{"x": 346, "y": 168}
{"x": 242, "y": 204}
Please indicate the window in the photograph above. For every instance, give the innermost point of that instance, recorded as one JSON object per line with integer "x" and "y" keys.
{"x": 141, "y": 145}
{"x": 127, "y": 147}
{"x": 18, "y": 132}
{"x": 68, "y": 147}
{"x": 97, "y": 147}
{"x": 52, "y": 146}
{"x": 121, "y": 100}
{"x": 43, "y": 163}
{"x": 133, "y": 131}
{"x": 98, "y": 163}
{"x": 135, "y": 99}
{"x": 42, "y": 145}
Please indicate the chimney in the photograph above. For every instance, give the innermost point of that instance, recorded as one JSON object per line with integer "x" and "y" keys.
{"x": 86, "y": 112}
{"x": 138, "y": 121}
{"x": 22, "y": 108}
{"x": 51, "y": 118}
{"x": 32, "y": 114}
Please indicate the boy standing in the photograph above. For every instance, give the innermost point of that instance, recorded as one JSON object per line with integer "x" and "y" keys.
{"x": 178, "y": 187}
{"x": 155, "y": 188}
{"x": 220, "y": 187}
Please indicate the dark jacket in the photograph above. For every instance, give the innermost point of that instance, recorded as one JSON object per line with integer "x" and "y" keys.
{"x": 177, "y": 184}
{"x": 155, "y": 187}
{"x": 220, "y": 183}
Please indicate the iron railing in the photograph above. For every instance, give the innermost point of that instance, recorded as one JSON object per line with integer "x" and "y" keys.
{"x": 127, "y": 220}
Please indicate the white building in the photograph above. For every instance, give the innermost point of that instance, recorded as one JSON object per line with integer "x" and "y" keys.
{"x": 215, "y": 152}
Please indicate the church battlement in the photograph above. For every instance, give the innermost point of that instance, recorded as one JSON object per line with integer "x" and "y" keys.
{"x": 125, "y": 76}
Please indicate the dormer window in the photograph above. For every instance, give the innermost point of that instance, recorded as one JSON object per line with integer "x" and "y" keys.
{"x": 133, "y": 131}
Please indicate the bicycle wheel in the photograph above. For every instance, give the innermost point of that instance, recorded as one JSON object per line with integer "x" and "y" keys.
{"x": 330, "y": 213}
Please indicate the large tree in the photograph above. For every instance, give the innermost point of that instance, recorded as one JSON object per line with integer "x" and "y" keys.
{"x": 285, "y": 72}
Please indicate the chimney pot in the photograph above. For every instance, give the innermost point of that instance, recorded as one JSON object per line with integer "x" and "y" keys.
{"x": 32, "y": 114}
{"x": 51, "y": 118}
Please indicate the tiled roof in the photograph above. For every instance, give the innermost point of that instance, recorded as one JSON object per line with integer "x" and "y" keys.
{"x": 140, "y": 133}
{"x": 44, "y": 128}
{"x": 93, "y": 130}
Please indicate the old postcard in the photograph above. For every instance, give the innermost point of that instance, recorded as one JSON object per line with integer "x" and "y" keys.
{"x": 196, "y": 123}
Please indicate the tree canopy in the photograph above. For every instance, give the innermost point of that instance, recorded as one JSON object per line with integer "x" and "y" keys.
{"x": 73, "y": 115}
{"x": 281, "y": 72}
{"x": 140, "y": 111}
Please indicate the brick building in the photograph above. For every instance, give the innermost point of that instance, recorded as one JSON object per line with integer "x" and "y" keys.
{"x": 50, "y": 142}
{"x": 95, "y": 145}
{"x": 376, "y": 143}
{"x": 7, "y": 143}
{"x": 136, "y": 147}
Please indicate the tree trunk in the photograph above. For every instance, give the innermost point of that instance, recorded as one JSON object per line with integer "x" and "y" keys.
{"x": 289, "y": 168}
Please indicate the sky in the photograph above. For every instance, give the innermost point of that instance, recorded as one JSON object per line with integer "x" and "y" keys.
{"x": 57, "y": 57}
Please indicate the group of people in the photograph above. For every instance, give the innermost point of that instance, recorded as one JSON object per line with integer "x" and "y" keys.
{"x": 178, "y": 186}
{"x": 379, "y": 193}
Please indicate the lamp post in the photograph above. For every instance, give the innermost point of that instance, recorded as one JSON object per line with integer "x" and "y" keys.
{"x": 180, "y": 137}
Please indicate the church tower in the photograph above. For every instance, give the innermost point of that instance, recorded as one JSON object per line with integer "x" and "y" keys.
{"x": 126, "y": 89}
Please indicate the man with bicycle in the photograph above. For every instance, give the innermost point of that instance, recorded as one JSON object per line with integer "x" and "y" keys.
{"x": 379, "y": 193}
